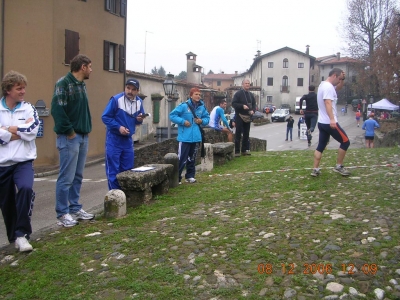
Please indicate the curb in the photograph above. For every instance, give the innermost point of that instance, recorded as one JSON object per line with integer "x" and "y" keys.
{"x": 55, "y": 171}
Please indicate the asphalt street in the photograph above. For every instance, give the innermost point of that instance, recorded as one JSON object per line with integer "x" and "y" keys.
{"x": 95, "y": 185}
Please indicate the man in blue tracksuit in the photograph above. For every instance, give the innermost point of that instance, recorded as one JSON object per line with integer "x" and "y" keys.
{"x": 189, "y": 135}
{"x": 123, "y": 112}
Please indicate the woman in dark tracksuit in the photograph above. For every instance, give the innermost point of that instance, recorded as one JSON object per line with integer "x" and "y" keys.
{"x": 189, "y": 135}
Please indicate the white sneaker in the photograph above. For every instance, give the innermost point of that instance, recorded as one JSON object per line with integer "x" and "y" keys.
{"x": 190, "y": 180}
{"x": 67, "y": 221}
{"x": 22, "y": 244}
{"x": 82, "y": 215}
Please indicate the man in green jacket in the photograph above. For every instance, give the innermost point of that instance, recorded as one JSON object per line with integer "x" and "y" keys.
{"x": 70, "y": 110}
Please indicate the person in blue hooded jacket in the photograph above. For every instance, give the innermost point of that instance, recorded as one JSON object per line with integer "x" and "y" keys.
{"x": 123, "y": 112}
{"x": 189, "y": 135}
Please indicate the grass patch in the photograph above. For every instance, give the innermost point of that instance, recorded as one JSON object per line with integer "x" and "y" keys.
{"x": 206, "y": 240}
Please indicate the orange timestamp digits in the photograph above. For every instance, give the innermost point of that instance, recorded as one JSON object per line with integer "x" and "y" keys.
{"x": 367, "y": 269}
{"x": 289, "y": 269}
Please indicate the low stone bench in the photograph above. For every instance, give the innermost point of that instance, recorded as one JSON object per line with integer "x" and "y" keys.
{"x": 223, "y": 152}
{"x": 139, "y": 187}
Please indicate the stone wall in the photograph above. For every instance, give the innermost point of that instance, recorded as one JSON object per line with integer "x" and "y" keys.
{"x": 388, "y": 139}
{"x": 389, "y": 125}
{"x": 153, "y": 153}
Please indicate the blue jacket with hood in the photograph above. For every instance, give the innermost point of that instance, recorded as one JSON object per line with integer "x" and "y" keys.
{"x": 183, "y": 113}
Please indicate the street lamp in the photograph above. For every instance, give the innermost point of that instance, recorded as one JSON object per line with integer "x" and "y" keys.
{"x": 169, "y": 86}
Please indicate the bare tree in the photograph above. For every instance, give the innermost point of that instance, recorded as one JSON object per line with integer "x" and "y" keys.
{"x": 368, "y": 20}
{"x": 366, "y": 24}
{"x": 386, "y": 60}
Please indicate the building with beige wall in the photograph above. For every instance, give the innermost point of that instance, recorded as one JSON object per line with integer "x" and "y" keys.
{"x": 219, "y": 82}
{"x": 39, "y": 38}
{"x": 281, "y": 75}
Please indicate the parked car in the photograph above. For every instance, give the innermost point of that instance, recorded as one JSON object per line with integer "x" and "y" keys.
{"x": 286, "y": 106}
{"x": 257, "y": 115}
{"x": 280, "y": 115}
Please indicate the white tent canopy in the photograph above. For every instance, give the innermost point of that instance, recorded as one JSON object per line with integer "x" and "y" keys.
{"x": 384, "y": 104}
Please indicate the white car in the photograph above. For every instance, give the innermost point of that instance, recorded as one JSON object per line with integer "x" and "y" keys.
{"x": 280, "y": 115}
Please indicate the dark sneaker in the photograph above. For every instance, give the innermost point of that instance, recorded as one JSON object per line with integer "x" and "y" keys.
{"x": 315, "y": 173}
{"x": 342, "y": 170}
{"x": 190, "y": 180}
{"x": 237, "y": 154}
{"x": 22, "y": 244}
{"x": 82, "y": 215}
{"x": 67, "y": 221}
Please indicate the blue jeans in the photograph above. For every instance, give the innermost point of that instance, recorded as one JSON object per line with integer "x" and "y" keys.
{"x": 289, "y": 129}
{"x": 72, "y": 153}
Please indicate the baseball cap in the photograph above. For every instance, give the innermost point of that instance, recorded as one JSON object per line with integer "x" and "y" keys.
{"x": 133, "y": 82}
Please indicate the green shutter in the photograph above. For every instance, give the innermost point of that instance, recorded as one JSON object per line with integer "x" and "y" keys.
{"x": 156, "y": 111}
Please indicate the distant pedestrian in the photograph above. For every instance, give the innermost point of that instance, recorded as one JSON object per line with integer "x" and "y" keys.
{"x": 311, "y": 111}
{"x": 358, "y": 116}
{"x": 289, "y": 128}
{"x": 73, "y": 123}
{"x": 19, "y": 126}
{"x": 369, "y": 127}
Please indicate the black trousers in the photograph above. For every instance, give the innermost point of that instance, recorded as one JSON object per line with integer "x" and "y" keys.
{"x": 16, "y": 199}
{"x": 241, "y": 128}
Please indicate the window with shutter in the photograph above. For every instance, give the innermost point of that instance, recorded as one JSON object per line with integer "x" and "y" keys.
{"x": 123, "y": 8}
{"x": 71, "y": 45}
{"x": 106, "y": 57}
{"x": 156, "y": 111}
{"x": 299, "y": 81}
{"x": 121, "y": 58}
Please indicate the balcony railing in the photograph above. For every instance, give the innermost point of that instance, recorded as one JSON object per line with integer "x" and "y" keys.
{"x": 285, "y": 88}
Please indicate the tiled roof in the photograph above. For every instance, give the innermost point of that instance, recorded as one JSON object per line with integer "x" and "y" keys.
{"x": 219, "y": 76}
{"x": 336, "y": 61}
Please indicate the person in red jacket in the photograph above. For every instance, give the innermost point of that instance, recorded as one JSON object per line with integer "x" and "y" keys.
{"x": 358, "y": 116}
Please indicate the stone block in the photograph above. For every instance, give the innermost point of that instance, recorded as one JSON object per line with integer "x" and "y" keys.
{"x": 140, "y": 187}
{"x": 223, "y": 152}
{"x": 114, "y": 204}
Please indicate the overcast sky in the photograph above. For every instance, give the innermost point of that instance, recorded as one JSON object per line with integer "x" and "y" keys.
{"x": 226, "y": 34}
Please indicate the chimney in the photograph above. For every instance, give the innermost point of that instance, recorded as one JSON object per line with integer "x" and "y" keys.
{"x": 222, "y": 72}
{"x": 307, "y": 49}
{"x": 338, "y": 55}
{"x": 258, "y": 53}
{"x": 236, "y": 72}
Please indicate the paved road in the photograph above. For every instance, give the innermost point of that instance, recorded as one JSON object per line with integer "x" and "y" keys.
{"x": 93, "y": 191}
{"x": 275, "y": 134}
{"x": 95, "y": 185}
